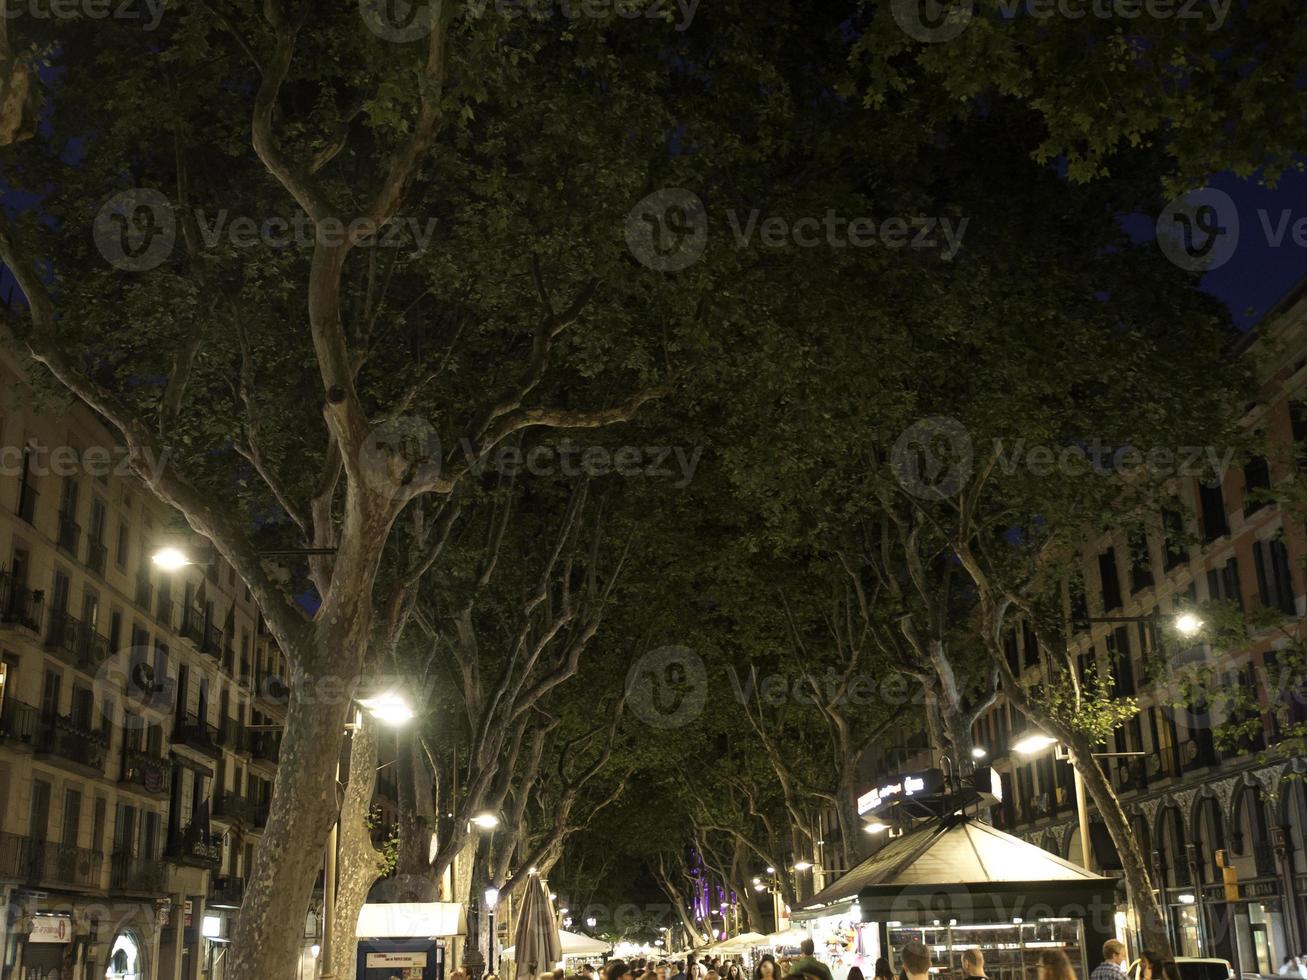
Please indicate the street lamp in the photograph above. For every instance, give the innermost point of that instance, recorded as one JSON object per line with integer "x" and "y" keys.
{"x": 389, "y": 709}
{"x": 170, "y": 558}
{"x": 977, "y": 752}
{"x": 486, "y": 820}
{"x": 1032, "y": 742}
{"x": 802, "y": 865}
{"x": 876, "y": 828}
{"x": 492, "y": 902}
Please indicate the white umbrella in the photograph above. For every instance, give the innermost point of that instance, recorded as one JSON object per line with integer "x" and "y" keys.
{"x": 537, "y": 948}
{"x": 743, "y": 942}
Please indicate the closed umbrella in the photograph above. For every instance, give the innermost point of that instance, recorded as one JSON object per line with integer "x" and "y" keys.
{"x": 537, "y": 947}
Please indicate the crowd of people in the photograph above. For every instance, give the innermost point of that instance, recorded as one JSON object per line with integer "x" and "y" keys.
{"x": 914, "y": 964}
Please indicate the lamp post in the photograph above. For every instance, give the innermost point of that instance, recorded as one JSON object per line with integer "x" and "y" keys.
{"x": 389, "y": 709}
{"x": 492, "y": 902}
{"x": 1033, "y": 742}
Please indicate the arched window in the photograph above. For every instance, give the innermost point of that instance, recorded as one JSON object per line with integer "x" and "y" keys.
{"x": 1209, "y": 828}
{"x": 1171, "y": 842}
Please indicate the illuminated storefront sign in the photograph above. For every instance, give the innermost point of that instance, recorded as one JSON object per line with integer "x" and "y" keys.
{"x": 911, "y": 784}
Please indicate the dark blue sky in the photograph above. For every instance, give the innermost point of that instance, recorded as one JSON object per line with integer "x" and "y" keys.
{"x": 1259, "y": 273}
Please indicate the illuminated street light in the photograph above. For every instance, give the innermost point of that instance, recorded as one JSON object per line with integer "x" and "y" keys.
{"x": 486, "y": 820}
{"x": 1032, "y": 742}
{"x": 1187, "y": 624}
{"x": 389, "y": 709}
{"x": 802, "y": 865}
{"x": 771, "y": 871}
{"x": 876, "y": 828}
{"x": 760, "y": 888}
{"x": 492, "y": 897}
{"x": 977, "y": 752}
{"x": 170, "y": 559}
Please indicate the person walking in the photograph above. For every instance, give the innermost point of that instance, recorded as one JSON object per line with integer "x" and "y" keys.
{"x": 916, "y": 960}
{"x": 680, "y": 970}
{"x": 883, "y": 970}
{"x": 808, "y": 962}
{"x": 767, "y": 968}
{"x": 1054, "y": 965}
{"x": 973, "y": 964}
{"x": 1113, "y": 965}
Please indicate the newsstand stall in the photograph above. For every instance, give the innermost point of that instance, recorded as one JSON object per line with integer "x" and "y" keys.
{"x": 956, "y": 883}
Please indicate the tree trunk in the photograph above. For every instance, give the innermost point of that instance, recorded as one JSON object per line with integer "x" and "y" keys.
{"x": 266, "y": 938}
{"x": 359, "y": 864}
{"x": 414, "y": 832}
{"x": 1139, "y": 886}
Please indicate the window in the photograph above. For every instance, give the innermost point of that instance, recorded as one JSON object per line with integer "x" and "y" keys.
{"x": 1107, "y": 576}
{"x": 1274, "y": 580}
{"x": 72, "y": 817}
{"x": 97, "y": 824}
{"x": 1030, "y": 642}
{"x": 50, "y": 694}
{"x": 1256, "y": 481}
{"x": 1223, "y": 582}
{"x": 1212, "y": 504}
{"x": 1122, "y": 666}
{"x": 1141, "y": 562}
{"x": 27, "y": 492}
{"x": 122, "y": 545}
{"x": 1010, "y": 651}
{"x": 1175, "y": 539}
{"x": 83, "y": 706}
{"x": 115, "y": 630}
{"x": 1298, "y": 425}
{"x": 95, "y": 529}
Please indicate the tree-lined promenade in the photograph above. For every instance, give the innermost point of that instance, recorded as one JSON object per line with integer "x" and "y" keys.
{"x": 359, "y": 401}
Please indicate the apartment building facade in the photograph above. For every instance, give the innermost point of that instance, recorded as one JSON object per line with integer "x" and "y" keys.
{"x": 138, "y": 717}
{"x": 1197, "y": 807}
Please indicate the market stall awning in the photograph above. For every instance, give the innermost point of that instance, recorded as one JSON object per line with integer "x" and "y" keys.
{"x": 573, "y": 944}
{"x": 742, "y": 943}
{"x": 790, "y": 937}
{"x": 407, "y": 920}
{"x": 959, "y": 868}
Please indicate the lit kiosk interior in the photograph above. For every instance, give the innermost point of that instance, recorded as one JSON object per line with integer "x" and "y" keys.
{"x": 954, "y": 882}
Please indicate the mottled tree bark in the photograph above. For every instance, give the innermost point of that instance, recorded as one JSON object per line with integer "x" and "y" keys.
{"x": 359, "y": 864}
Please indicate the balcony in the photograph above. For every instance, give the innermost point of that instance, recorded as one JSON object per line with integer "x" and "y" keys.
{"x": 212, "y": 642}
{"x": 19, "y": 605}
{"x": 165, "y": 612}
{"x": 195, "y": 849}
{"x": 129, "y": 873}
{"x": 267, "y": 747}
{"x": 19, "y": 722}
{"x": 146, "y": 770}
{"x": 70, "y": 534}
{"x": 233, "y": 806}
{"x": 234, "y": 737}
{"x": 271, "y": 689}
{"x": 27, "y": 498}
{"x": 37, "y": 862}
{"x": 193, "y": 628}
{"x": 61, "y": 636}
{"x": 97, "y": 556}
{"x": 197, "y": 734}
{"x": 143, "y": 589}
{"x": 76, "y": 644}
{"x": 226, "y": 892}
{"x": 62, "y": 737}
